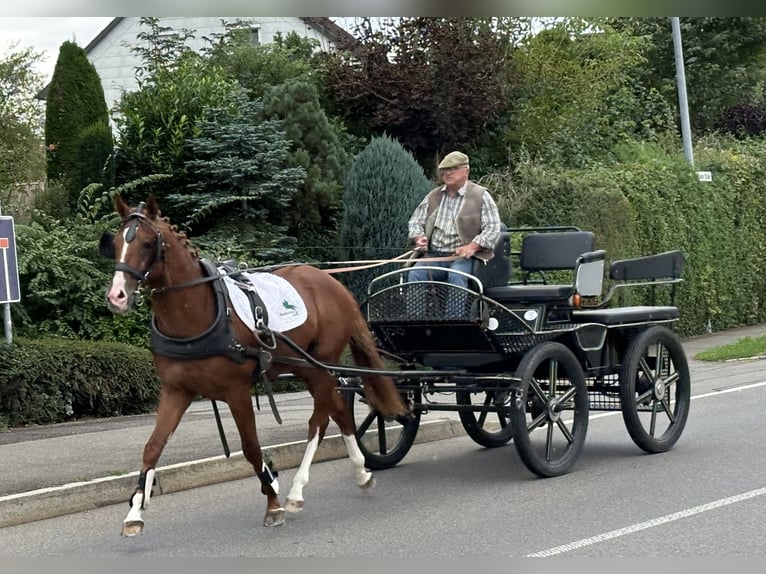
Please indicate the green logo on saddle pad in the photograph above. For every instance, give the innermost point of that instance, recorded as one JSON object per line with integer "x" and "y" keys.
{"x": 289, "y": 308}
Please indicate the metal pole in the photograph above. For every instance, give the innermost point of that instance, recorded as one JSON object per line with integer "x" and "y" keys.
{"x": 7, "y": 321}
{"x": 683, "y": 104}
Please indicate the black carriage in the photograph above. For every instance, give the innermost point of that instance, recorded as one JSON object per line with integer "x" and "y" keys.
{"x": 528, "y": 358}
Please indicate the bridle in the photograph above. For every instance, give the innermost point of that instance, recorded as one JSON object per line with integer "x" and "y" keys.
{"x": 134, "y": 220}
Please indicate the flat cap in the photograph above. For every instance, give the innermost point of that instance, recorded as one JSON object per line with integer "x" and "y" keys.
{"x": 453, "y": 159}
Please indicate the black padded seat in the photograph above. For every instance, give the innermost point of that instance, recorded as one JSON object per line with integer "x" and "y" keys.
{"x": 535, "y": 292}
{"x": 625, "y": 315}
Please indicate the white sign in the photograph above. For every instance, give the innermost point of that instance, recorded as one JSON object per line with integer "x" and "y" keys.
{"x": 705, "y": 175}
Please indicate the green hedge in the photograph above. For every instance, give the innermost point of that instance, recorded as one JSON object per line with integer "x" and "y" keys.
{"x": 45, "y": 381}
{"x": 651, "y": 201}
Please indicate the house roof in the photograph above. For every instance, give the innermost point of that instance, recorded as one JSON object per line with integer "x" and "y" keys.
{"x": 335, "y": 33}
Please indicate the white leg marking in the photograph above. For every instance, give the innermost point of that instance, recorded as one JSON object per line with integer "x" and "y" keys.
{"x": 363, "y": 476}
{"x": 295, "y": 497}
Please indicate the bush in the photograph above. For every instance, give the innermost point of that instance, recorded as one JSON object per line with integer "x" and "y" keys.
{"x": 44, "y": 381}
{"x": 383, "y": 187}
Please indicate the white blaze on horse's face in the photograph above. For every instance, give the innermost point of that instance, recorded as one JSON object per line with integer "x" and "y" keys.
{"x": 120, "y": 296}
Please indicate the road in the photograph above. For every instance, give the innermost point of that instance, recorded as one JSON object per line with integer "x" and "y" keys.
{"x": 452, "y": 498}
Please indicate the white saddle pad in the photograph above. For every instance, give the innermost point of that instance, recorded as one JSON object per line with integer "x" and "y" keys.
{"x": 285, "y": 307}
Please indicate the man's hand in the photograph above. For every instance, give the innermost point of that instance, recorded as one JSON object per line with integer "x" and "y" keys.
{"x": 420, "y": 242}
{"x": 468, "y": 250}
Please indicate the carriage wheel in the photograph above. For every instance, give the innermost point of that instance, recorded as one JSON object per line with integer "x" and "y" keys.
{"x": 384, "y": 442}
{"x": 487, "y": 428}
{"x": 655, "y": 389}
{"x": 550, "y": 410}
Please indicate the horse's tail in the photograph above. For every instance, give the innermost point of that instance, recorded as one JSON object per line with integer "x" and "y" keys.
{"x": 379, "y": 390}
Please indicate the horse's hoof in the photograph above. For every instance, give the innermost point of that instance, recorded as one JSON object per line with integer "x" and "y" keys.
{"x": 370, "y": 483}
{"x": 132, "y": 528}
{"x": 294, "y": 506}
{"x": 274, "y": 517}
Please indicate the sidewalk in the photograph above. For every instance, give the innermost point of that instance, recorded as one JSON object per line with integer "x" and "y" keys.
{"x": 60, "y": 469}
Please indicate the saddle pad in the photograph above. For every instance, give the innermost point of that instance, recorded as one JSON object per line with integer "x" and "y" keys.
{"x": 284, "y": 306}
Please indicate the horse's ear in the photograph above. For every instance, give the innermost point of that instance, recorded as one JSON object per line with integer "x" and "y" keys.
{"x": 152, "y": 207}
{"x": 120, "y": 206}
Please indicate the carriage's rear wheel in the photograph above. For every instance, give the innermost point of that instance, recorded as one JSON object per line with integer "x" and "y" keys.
{"x": 655, "y": 389}
{"x": 384, "y": 442}
{"x": 490, "y": 428}
{"x": 549, "y": 413}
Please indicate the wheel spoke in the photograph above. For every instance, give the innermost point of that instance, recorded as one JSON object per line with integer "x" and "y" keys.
{"x": 365, "y": 425}
{"x": 549, "y": 442}
{"x": 565, "y": 430}
{"x": 653, "y": 423}
{"x": 382, "y": 444}
{"x": 553, "y": 375}
{"x": 537, "y": 422}
{"x": 647, "y": 370}
{"x": 666, "y": 407}
{"x": 535, "y": 386}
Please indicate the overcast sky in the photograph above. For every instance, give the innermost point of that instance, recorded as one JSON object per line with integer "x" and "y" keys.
{"x": 45, "y": 35}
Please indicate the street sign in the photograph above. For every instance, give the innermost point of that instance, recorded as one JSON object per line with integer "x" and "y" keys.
{"x": 9, "y": 270}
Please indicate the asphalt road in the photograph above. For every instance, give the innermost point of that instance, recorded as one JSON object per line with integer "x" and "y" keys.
{"x": 452, "y": 498}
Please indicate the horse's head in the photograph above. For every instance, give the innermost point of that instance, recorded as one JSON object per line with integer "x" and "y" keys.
{"x": 137, "y": 249}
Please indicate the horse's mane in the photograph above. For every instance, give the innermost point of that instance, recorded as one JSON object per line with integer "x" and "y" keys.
{"x": 181, "y": 236}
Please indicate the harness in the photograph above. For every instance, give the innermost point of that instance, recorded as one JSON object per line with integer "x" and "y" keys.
{"x": 218, "y": 339}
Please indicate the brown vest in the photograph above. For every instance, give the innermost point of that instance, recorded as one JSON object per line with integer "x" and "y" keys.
{"x": 468, "y": 220}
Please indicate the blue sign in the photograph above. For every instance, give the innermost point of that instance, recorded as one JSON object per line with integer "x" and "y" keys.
{"x": 9, "y": 269}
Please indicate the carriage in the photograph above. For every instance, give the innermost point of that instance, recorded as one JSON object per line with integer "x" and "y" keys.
{"x": 528, "y": 358}
{"x": 522, "y": 358}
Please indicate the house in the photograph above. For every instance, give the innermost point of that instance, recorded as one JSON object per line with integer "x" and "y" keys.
{"x": 111, "y": 55}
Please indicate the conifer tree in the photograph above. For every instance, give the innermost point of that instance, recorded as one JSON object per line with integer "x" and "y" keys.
{"x": 75, "y": 101}
{"x": 382, "y": 189}
{"x": 316, "y": 208}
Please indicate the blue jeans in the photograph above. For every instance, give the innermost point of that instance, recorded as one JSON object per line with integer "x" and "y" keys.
{"x": 455, "y": 307}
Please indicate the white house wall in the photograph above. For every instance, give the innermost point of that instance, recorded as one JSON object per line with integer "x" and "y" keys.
{"x": 116, "y": 64}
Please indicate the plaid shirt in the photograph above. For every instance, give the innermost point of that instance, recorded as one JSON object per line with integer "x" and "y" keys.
{"x": 445, "y": 236}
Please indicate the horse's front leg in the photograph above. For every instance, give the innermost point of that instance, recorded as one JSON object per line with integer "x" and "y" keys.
{"x": 241, "y": 407}
{"x": 172, "y": 405}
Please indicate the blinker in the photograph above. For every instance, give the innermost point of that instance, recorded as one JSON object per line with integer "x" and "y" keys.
{"x": 106, "y": 245}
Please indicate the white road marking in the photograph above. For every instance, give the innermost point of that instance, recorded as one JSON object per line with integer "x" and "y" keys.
{"x": 663, "y": 519}
{"x": 648, "y": 524}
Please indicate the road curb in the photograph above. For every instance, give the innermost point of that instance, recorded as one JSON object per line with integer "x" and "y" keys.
{"x": 81, "y": 496}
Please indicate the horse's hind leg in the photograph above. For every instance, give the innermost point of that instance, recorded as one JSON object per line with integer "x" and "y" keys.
{"x": 345, "y": 421}
{"x": 241, "y": 406}
{"x": 321, "y": 386}
{"x": 172, "y": 405}
{"x": 327, "y": 403}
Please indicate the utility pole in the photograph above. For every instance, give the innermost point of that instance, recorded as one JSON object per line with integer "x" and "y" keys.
{"x": 683, "y": 104}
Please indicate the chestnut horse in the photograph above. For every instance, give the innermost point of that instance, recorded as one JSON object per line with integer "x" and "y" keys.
{"x": 186, "y": 300}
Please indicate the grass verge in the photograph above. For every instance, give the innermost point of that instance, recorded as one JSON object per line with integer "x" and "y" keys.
{"x": 746, "y": 347}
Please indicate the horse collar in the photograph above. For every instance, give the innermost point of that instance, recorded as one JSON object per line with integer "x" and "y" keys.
{"x": 216, "y": 340}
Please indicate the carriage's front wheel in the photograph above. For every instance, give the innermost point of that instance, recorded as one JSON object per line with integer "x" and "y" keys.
{"x": 383, "y": 442}
{"x": 549, "y": 412}
{"x": 655, "y": 389}
{"x": 492, "y": 427}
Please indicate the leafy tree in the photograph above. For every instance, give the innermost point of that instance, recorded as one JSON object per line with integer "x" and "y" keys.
{"x": 724, "y": 62}
{"x": 155, "y": 122}
{"x": 75, "y": 100}
{"x": 435, "y": 84}
{"x": 317, "y": 149}
{"x": 20, "y": 126}
{"x": 63, "y": 278}
{"x": 382, "y": 189}
{"x": 258, "y": 67}
{"x": 575, "y": 97}
{"x": 243, "y": 182}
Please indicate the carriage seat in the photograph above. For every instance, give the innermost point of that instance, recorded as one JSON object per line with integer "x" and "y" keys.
{"x": 626, "y": 315}
{"x": 658, "y": 269}
{"x": 497, "y": 271}
{"x": 541, "y": 252}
